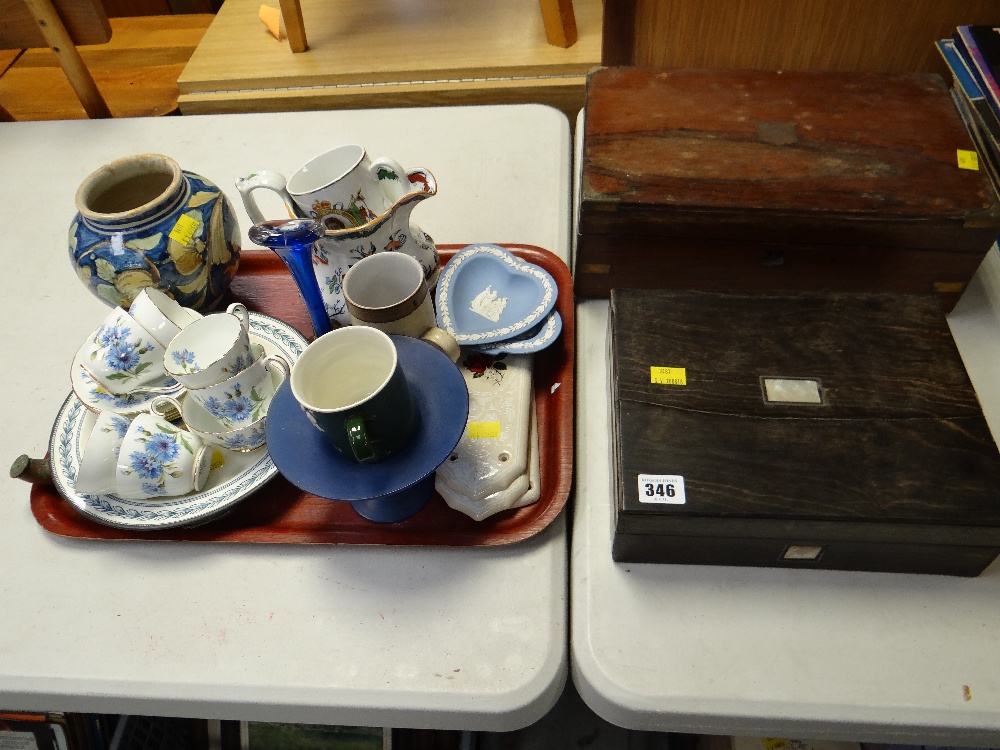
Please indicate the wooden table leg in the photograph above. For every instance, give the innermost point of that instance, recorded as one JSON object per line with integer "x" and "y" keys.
{"x": 291, "y": 13}
{"x": 560, "y": 22}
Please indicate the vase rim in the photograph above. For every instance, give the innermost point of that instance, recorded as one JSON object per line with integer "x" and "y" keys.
{"x": 119, "y": 170}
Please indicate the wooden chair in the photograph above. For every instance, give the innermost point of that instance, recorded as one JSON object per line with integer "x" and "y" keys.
{"x": 60, "y": 26}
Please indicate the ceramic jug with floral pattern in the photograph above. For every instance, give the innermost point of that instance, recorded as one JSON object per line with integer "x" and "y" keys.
{"x": 343, "y": 246}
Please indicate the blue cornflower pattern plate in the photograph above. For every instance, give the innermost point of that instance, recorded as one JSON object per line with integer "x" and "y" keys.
{"x": 239, "y": 475}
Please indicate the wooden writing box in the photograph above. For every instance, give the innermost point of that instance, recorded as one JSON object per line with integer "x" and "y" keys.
{"x": 805, "y": 430}
{"x": 738, "y": 180}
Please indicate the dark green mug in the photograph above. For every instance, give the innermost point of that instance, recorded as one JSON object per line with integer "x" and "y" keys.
{"x": 352, "y": 388}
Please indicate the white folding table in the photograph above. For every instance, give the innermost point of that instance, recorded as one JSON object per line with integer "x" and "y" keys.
{"x": 446, "y": 638}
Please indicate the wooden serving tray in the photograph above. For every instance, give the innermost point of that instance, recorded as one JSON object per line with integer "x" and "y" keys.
{"x": 280, "y": 513}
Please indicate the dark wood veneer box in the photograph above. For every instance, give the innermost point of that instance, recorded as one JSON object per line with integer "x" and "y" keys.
{"x": 734, "y": 180}
{"x": 808, "y": 430}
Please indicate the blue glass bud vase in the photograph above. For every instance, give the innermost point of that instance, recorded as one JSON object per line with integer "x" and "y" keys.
{"x": 292, "y": 241}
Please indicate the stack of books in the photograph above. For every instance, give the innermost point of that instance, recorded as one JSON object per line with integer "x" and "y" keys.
{"x": 973, "y": 56}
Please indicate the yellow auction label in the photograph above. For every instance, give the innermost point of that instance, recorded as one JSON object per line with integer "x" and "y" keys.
{"x": 968, "y": 160}
{"x": 668, "y": 375}
{"x": 184, "y": 229}
{"x": 774, "y": 743}
{"x": 484, "y": 430}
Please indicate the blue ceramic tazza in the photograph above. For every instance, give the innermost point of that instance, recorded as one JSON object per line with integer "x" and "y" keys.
{"x": 396, "y": 488}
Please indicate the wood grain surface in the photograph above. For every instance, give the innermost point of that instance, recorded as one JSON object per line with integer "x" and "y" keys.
{"x": 846, "y": 35}
{"x": 136, "y": 71}
{"x": 280, "y": 513}
{"x": 899, "y": 446}
{"x": 432, "y": 50}
{"x": 864, "y": 146}
{"x": 716, "y": 179}
{"x": 85, "y": 20}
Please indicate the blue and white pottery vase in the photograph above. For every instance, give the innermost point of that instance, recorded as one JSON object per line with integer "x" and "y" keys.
{"x": 142, "y": 221}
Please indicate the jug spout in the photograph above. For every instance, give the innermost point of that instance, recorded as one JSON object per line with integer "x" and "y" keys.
{"x": 392, "y": 230}
{"x": 292, "y": 241}
{"x": 420, "y": 187}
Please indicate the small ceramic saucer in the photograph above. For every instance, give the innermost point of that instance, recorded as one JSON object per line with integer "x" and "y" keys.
{"x": 97, "y": 398}
{"x": 533, "y": 340}
{"x": 393, "y": 489}
{"x": 487, "y": 294}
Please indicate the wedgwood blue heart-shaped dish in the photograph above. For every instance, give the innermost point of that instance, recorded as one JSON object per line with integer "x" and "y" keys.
{"x": 486, "y": 294}
{"x": 533, "y": 340}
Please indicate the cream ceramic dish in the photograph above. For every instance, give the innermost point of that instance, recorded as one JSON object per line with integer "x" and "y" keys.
{"x": 493, "y": 450}
{"x": 524, "y": 490}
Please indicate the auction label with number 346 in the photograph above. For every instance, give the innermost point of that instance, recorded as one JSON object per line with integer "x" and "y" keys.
{"x": 661, "y": 488}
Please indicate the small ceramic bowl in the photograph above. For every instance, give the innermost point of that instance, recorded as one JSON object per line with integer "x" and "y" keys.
{"x": 158, "y": 459}
{"x": 211, "y": 349}
{"x": 98, "y": 463}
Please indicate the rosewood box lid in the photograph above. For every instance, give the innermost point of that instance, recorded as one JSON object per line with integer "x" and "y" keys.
{"x": 828, "y": 416}
{"x": 822, "y": 157}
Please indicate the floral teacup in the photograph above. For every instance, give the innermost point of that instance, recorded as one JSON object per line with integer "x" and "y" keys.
{"x": 161, "y": 315}
{"x": 122, "y": 355}
{"x": 158, "y": 459}
{"x": 243, "y": 398}
{"x": 96, "y": 475}
{"x": 211, "y": 349}
{"x": 245, "y": 437}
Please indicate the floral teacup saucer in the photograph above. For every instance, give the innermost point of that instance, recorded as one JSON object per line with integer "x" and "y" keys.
{"x": 98, "y": 398}
{"x": 275, "y": 336}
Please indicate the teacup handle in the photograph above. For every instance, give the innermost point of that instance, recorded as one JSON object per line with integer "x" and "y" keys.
{"x": 281, "y": 363}
{"x": 392, "y": 178}
{"x": 240, "y": 311}
{"x": 443, "y": 341}
{"x": 159, "y": 407}
{"x": 270, "y": 181}
{"x": 357, "y": 436}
